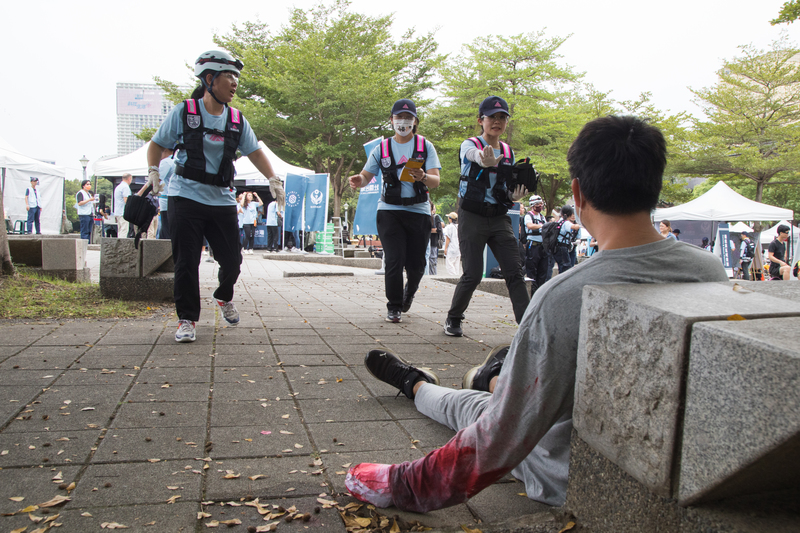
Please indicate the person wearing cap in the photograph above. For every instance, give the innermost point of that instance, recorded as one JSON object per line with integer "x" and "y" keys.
{"x": 404, "y": 215}
{"x": 484, "y": 200}
{"x": 747, "y": 251}
{"x": 513, "y": 413}
{"x": 84, "y": 204}
{"x": 537, "y": 258}
{"x": 201, "y": 198}
{"x": 452, "y": 252}
{"x": 779, "y": 269}
{"x": 565, "y": 242}
{"x": 34, "y": 207}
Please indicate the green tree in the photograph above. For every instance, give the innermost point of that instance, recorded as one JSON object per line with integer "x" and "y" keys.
{"x": 789, "y": 13}
{"x": 322, "y": 86}
{"x": 527, "y": 71}
{"x": 752, "y": 129}
{"x": 146, "y": 134}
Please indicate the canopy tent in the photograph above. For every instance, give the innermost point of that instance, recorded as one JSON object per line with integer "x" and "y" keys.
{"x": 741, "y": 227}
{"x": 17, "y": 171}
{"x": 135, "y": 164}
{"x": 768, "y": 235}
{"x": 722, "y": 203}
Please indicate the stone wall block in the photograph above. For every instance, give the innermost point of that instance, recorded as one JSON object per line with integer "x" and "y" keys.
{"x": 741, "y": 430}
{"x": 64, "y": 254}
{"x": 156, "y": 256}
{"x": 119, "y": 258}
{"x": 631, "y": 362}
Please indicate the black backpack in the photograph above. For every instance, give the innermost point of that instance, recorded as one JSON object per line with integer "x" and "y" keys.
{"x": 550, "y": 233}
{"x": 748, "y": 250}
{"x": 139, "y": 211}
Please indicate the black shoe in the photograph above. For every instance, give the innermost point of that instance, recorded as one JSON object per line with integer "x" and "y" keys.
{"x": 394, "y": 317}
{"x": 478, "y": 377}
{"x": 407, "y": 300}
{"x": 387, "y": 367}
{"x": 452, "y": 327}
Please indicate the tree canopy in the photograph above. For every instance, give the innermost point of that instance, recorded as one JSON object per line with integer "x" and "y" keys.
{"x": 789, "y": 13}
{"x": 324, "y": 84}
{"x": 752, "y": 113}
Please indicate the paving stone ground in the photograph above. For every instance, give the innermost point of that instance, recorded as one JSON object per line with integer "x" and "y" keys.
{"x": 148, "y": 429}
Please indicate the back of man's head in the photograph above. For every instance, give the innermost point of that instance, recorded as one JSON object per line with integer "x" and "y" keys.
{"x": 619, "y": 163}
{"x": 127, "y": 178}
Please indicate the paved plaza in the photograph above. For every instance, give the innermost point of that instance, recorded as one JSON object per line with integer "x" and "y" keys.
{"x": 140, "y": 431}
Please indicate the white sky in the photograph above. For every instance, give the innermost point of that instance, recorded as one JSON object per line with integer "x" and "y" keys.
{"x": 64, "y": 59}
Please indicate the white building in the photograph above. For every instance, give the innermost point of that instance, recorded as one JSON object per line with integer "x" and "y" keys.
{"x": 139, "y": 105}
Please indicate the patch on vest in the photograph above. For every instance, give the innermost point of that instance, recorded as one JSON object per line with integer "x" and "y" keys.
{"x": 193, "y": 121}
{"x": 386, "y": 162}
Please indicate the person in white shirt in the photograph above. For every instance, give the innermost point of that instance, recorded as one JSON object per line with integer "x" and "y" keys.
{"x": 121, "y": 194}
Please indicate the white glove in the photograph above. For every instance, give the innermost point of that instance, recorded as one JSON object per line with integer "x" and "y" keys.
{"x": 155, "y": 178}
{"x": 488, "y": 159}
{"x": 277, "y": 191}
{"x": 518, "y": 192}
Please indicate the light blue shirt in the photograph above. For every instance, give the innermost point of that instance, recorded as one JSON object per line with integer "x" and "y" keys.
{"x": 250, "y": 213}
{"x": 171, "y": 131}
{"x": 534, "y": 218}
{"x": 272, "y": 214}
{"x": 166, "y": 169}
{"x": 466, "y": 165}
{"x": 565, "y": 235}
{"x": 121, "y": 191}
{"x": 401, "y": 154}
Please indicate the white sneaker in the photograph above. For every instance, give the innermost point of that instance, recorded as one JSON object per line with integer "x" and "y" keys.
{"x": 186, "y": 331}
{"x": 295, "y": 249}
{"x": 229, "y": 312}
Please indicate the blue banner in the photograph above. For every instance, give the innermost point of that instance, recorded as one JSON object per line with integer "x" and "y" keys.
{"x": 295, "y": 187}
{"x": 316, "y": 202}
{"x": 367, "y": 207}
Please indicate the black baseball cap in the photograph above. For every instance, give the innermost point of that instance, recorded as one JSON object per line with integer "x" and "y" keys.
{"x": 492, "y": 105}
{"x": 34, "y": 178}
{"x": 404, "y": 106}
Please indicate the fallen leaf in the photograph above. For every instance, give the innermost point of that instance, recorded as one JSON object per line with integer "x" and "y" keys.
{"x": 231, "y": 475}
{"x": 469, "y": 530}
{"x": 58, "y": 500}
{"x": 4, "y": 452}
{"x": 298, "y": 446}
{"x": 346, "y": 465}
{"x": 201, "y": 515}
{"x": 290, "y": 489}
{"x": 284, "y": 432}
{"x": 323, "y": 501}
{"x": 88, "y": 409}
{"x": 396, "y": 528}
{"x": 736, "y": 318}
{"x": 172, "y": 487}
{"x": 569, "y": 526}
{"x": 29, "y": 509}
{"x": 86, "y": 514}
{"x": 17, "y": 498}
{"x": 257, "y": 476}
{"x": 285, "y": 416}
{"x": 232, "y": 522}
{"x": 213, "y": 523}
{"x": 272, "y": 526}
{"x": 153, "y": 460}
{"x": 35, "y": 519}
{"x": 112, "y": 525}
{"x": 20, "y": 530}
{"x": 267, "y": 432}
{"x": 173, "y": 499}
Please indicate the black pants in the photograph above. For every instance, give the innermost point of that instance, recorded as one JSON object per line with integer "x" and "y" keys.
{"x": 563, "y": 258}
{"x": 249, "y": 235}
{"x": 474, "y": 233}
{"x": 190, "y": 222}
{"x": 273, "y": 238}
{"x": 537, "y": 261}
{"x": 404, "y": 237}
{"x": 163, "y": 227}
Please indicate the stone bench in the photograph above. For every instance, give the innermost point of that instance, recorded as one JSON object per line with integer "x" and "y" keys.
{"x": 687, "y": 407}
{"x": 128, "y": 273}
{"x": 60, "y": 256}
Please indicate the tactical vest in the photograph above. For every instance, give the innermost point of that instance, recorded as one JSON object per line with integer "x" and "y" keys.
{"x": 478, "y": 181}
{"x": 193, "y": 132}
{"x": 536, "y": 218}
{"x": 391, "y": 180}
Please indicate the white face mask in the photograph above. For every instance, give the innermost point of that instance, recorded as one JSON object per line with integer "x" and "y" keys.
{"x": 403, "y": 127}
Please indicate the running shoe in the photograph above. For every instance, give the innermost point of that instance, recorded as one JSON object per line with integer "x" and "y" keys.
{"x": 389, "y": 368}
{"x": 186, "y": 331}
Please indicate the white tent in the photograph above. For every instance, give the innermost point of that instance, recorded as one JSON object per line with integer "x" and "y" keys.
{"x": 135, "y": 164}
{"x": 740, "y": 227}
{"x": 722, "y": 204}
{"x": 17, "y": 170}
{"x": 768, "y": 235}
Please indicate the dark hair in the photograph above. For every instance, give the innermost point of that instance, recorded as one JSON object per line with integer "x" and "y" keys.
{"x": 566, "y": 211}
{"x": 198, "y": 92}
{"x": 783, "y": 228}
{"x": 619, "y": 162}
{"x": 84, "y": 182}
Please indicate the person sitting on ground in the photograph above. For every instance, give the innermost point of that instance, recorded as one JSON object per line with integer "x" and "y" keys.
{"x": 779, "y": 269}
{"x": 514, "y": 413}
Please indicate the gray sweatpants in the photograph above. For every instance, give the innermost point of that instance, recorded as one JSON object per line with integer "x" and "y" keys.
{"x": 544, "y": 471}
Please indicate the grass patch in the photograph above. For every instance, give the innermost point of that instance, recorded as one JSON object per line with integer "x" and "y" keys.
{"x": 33, "y": 295}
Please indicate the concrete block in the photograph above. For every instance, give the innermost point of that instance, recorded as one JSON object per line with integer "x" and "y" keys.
{"x": 308, "y": 273}
{"x": 362, "y": 254}
{"x": 119, "y": 259}
{"x": 788, "y": 290}
{"x": 741, "y": 429}
{"x": 64, "y": 254}
{"x": 156, "y": 256}
{"x": 348, "y": 252}
{"x": 604, "y": 498}
{"x": 26, "y": 249}
{"x": 632, "y": 353}
{"x": 79, "y": 275}
{"x": 156, "y": 287}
